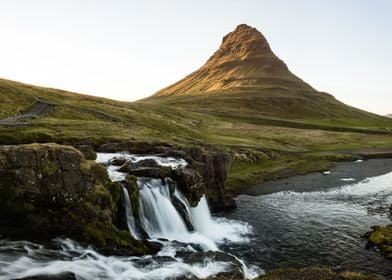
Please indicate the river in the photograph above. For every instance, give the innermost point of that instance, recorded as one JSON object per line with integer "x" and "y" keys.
{"x": 319, "y": 219}
{"x": 312, "y": 220}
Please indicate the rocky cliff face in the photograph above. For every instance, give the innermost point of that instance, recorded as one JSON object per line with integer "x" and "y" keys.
{"x": 206, "y": 173}
{"x": 51, "y": 190}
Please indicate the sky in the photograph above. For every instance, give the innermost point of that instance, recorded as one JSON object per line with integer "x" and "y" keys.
{"x": 128, "y": 50}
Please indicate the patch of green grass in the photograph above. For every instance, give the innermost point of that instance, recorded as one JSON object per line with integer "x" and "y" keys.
{"x": 262, "y": 146}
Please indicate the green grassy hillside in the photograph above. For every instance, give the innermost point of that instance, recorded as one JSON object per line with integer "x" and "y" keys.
{"x": 261, "y": 148}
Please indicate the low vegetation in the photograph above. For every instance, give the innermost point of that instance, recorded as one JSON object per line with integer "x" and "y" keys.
{"x": 261, "y": 148}
{"x": 381, "y": 237}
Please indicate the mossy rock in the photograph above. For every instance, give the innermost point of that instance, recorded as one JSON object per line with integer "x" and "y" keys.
{"x": 381, "y": 237}
{"x": 134, "y": 195}
{"x": 50, "y": 190}
{"x": 50, "y": 168}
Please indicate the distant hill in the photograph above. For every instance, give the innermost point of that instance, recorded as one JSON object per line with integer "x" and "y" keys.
{"x": 245, "y": 76}
{"x": 389, "y": 115}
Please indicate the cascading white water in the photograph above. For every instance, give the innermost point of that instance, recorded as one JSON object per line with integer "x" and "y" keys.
{"x": 130, "y": 217}
{"x": 159, "y": 218}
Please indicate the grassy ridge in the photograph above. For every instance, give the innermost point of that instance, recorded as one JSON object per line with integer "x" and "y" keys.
{"x": 261, "y": 148}
{"x": 310, "y": 107}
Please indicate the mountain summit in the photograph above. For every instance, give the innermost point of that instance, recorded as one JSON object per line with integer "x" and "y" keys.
{"x": 245, "y": 77}
{"x": 243, "y": 62}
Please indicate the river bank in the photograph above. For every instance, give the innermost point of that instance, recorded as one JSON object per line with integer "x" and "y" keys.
{"x": 338, "y": 175}
{"x": 319, "y": 219}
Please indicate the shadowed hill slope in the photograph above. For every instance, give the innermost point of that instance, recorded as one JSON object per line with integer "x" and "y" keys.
{"x": 245, "y": 76}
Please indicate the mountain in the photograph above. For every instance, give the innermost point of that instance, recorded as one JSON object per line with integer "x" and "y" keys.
{"x": 389, "y": 115}
{"x": 244, "y": 76}
{"x": 244, "y": 62}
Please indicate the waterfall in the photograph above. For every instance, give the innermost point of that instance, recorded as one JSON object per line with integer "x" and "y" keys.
{"x": 161, "y": 220}
{"x": 158, "y": 216}
{"x": 130, "y": 217}
{"x": 163, "y": 212}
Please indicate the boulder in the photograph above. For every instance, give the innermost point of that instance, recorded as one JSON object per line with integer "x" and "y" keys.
{"x": 50, "y": 190}
{"x": 151, "y": 172}
{"x": 130, "y": 166}
{"x": 118, "y": 161}
{"x": 213, "y": 166}
{"x": 190, "y": 183}
{"x": 87, "y": 151}
{"x": 234, "y": 269}
{"x": 62, "y": 276}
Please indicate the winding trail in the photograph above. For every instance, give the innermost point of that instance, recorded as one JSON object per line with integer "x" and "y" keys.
{"x": 40, "y": 107}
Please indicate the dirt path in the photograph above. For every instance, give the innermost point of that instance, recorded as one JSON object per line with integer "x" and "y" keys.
{"x": 39, "y": 108}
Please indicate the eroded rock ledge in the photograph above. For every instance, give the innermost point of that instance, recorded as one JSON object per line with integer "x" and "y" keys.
{"x": 50, "y": 190}
{"x": 208, "y": 163}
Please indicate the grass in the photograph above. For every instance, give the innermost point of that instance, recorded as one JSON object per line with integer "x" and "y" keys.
{"x": 265, "y": 106}
{"x": 262, "y": 148}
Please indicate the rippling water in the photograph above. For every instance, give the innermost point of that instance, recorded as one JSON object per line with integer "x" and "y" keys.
{"x": 297, "y": 229}
{"x": 283, "y": 229}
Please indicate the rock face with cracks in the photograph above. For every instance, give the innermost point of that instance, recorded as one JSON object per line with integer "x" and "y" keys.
{"x": 205, "y": 174}
{"x": 50, "y": 190}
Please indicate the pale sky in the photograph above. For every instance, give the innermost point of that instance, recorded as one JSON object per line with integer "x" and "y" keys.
{"x": 127, "y": 50}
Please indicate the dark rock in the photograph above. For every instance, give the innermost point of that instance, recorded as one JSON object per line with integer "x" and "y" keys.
{"x": 133, "y": 190}
{"x": 190, "y": 184}
{"x": 181, "y": 208}
{"x": 171, "y": 184}
{"x": 50, "y": 190}
{"x": 130, "y": 166}
{"x": 118, "y": 161}
{"x": 151, "y": 172}
{"x": 211, "y": 164}
{"x": 87, "y": 151}
{"x": 233, "y": 271}
{"x": 62, "y": 276}
{"x": 222, "y": 202}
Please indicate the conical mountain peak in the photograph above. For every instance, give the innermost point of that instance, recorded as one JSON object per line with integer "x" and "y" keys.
{"x": 244, "y": 62}
{"x": 245, "y": 41}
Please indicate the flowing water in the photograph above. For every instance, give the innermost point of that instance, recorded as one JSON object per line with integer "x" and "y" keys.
{"x": 160, "y": 220}
{"x": 283, "y": 229}
{"x": 298, "y": 229}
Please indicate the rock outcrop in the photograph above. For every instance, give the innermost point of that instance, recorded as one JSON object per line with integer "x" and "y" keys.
{"x": 206, "y": 172}
{"x": 381, "y": 237}
{"x": 50, "y": 190}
